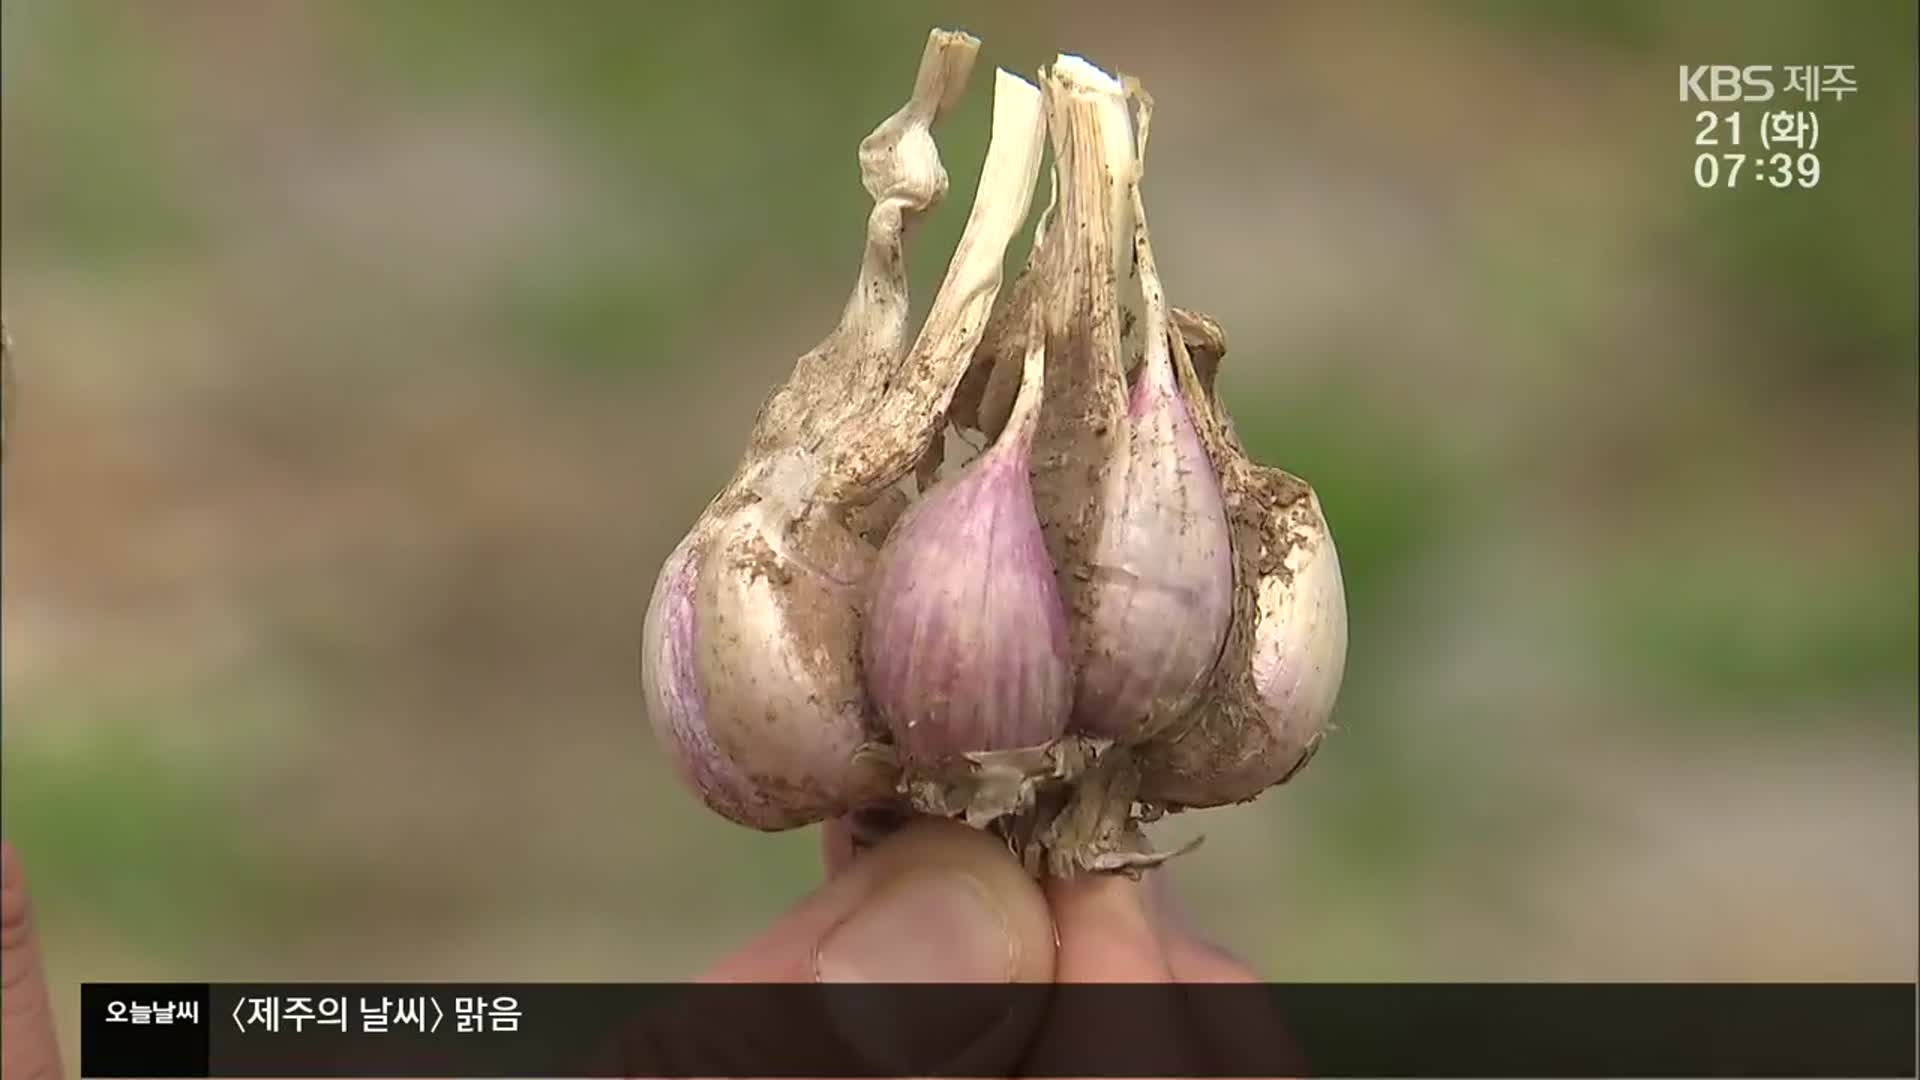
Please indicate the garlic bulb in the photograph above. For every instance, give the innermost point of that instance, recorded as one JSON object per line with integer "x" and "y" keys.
{"x": 1109, "y": 612}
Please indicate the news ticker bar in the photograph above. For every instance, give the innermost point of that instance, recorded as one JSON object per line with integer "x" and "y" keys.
{"x": 1492, "y": 1030}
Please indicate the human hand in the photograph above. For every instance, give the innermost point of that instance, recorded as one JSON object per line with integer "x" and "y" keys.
{"x": 938, "y": 902}
{"x": 935, "y": 903}
{"x": 28, "y": 1048}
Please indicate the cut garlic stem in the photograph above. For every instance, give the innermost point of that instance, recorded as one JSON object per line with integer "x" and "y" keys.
{"x": 1158, "y": 595}
{"x": 1104, "y": 101}
{"x": 1080, "y": 264}
{"x": 1000, "y": 207}
{"x": 1080, "y": 71}
{"x": 881, "y": 445}
{"x": 900, "y": 167}
{"x": 1000, "y": 349}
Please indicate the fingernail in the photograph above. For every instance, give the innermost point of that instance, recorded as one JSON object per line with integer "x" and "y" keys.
{"x": 939, "y": 926}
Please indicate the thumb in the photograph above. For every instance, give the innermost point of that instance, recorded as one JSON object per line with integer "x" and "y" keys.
{"x": 936, "y": 902}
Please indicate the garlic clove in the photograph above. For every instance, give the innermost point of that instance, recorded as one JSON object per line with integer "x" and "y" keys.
{"x": 965, "y": 645}
{"x": 1158, "y": 592}
{"x": 677, "y": 706}
{"x": 1275, "y": 691}
{"x": 776, "y": 598}
{"x": 1079, "y": 266}
{"x": 1272, "y": 694}
{"x": 1266, "y": 707}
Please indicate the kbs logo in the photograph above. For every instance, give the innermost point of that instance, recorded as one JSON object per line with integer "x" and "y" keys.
{"x": 1726, "y": 82}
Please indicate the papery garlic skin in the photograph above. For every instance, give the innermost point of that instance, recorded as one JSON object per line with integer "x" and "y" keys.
{"x": 839, "y": 380}
{"x": 1265, "y": 718}
{"x": 965, "y": 647}
{"x": 777, "y": 610}
{"x": 676, "y": 702}
{"x": 1079, "y": 263}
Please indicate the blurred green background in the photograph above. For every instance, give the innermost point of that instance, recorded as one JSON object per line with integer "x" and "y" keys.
{"x": 373, "y": 355}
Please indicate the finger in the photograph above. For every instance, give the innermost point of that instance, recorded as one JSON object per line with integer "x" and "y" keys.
{"x": 934, "y": 903}
{"x": 1196, "y": 961}
{"x": 1108, "y": 935}
{"x": 836, "y": 845}
{"x": 1107, "y": 931}
{"x": 1241, "y": 1031}
{"x": 1192, "y": 955}
{"x": 28, "y": 1049}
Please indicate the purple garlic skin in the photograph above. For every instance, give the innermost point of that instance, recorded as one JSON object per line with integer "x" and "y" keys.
{"x": 1160, "y": 595}
{"x": 965, "y": 646}
{"x": 761, "y": 713}
{"x": 676, "y": 704}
